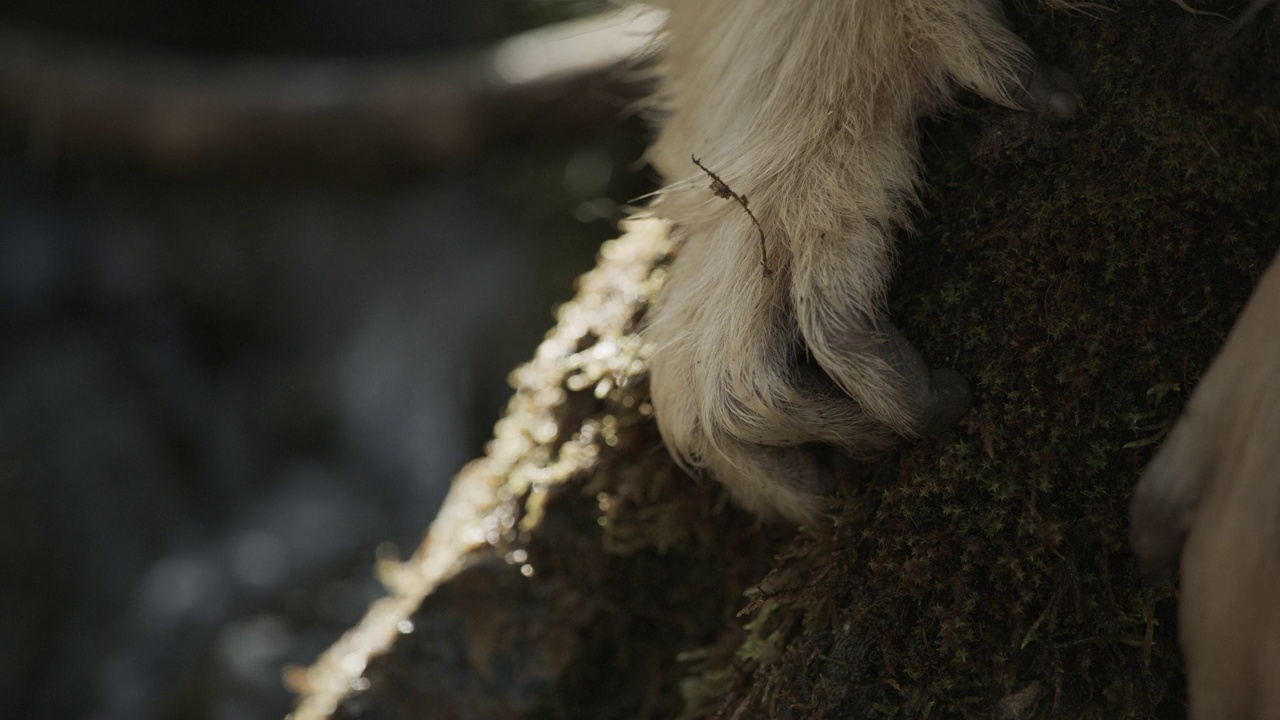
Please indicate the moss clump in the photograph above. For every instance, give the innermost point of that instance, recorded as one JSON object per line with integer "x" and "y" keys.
{"x": 1082, "y": 275}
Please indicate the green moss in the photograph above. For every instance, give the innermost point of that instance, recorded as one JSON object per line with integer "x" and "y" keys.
{"x": 1083, "y": 275}
{"x": 1080, "y": 275}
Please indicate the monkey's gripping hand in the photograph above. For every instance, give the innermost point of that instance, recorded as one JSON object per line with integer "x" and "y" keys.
{"x": 1211, "y": 496}
{"x": 770, "y": 335}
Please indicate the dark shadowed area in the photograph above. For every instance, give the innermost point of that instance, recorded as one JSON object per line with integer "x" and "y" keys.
{"x": 247, "y": 335}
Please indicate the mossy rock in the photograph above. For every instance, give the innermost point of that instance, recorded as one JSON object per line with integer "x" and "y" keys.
{"x": 1081, "y": 275}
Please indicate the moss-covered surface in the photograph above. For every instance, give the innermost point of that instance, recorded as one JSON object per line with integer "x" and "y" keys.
{"x": 1081, "y": 275}
{"x": 571, "y": 565}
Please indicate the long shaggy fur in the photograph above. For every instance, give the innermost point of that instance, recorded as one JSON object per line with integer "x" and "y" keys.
{"x": 807, "y": 109}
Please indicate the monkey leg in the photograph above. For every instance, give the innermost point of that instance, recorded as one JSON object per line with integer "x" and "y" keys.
{"x": 1211, "y": 498}
{"x": 870, "y": 359}
{"x": 804, "y": 116}
{"x": 731, "y": 391}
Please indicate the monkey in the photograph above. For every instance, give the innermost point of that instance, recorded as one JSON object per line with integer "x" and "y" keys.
{"x": 1209, "y": 501}
{"x": 788, "y": 149}
{"x": 771, "y": 334}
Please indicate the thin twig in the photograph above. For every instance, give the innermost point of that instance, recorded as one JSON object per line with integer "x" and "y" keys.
{"x": 1247, "y": 16}
{"x": 1187, "y": 8}
{"x": 721, "y": 189}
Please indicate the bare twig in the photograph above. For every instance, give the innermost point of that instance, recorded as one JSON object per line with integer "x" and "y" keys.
{"x": 1248, "y": 15}
{"x": 721, "y": 189}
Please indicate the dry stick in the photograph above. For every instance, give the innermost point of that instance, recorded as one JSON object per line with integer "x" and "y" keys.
{"x": 1247, "y": 16}
{"x": 1187, "y": 8}
{"x": 721, "y": 189}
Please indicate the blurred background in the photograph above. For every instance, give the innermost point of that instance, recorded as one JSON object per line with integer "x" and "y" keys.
{"x": 264, "y": 268}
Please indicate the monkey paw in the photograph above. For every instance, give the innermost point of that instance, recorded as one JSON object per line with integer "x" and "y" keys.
{"x": 1211, "y": 499}
{"x": 770, "y": 337}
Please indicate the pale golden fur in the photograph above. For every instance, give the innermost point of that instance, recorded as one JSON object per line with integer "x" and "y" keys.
{"x": 808, "y": 109}
{"x": 1211, "y": 498}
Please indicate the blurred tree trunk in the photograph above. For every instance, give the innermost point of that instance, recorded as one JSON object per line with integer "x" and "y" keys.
{"x": 69, "y": 103}
{"x": 1080, "y": 275}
